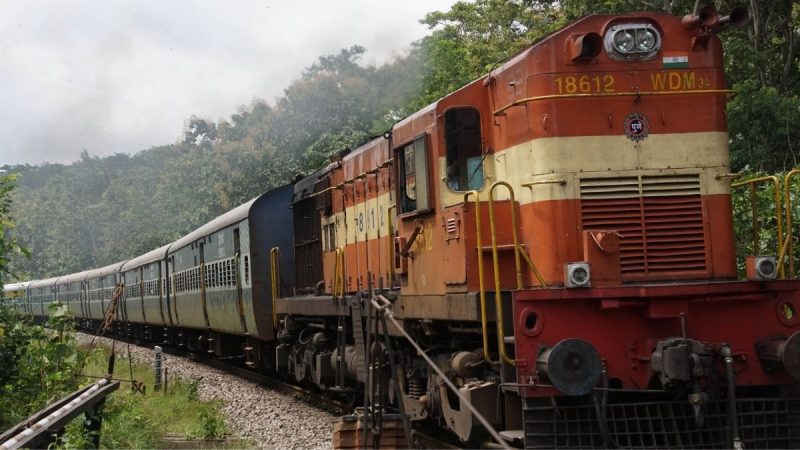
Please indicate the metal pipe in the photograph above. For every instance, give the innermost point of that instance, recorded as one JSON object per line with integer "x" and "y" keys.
{"x": 481, "y": 288}
{"x": 776, "y": 193}
{"x": 391, "y": 242}
{"x": 730, "y": 377}
{"x": 498, "y": 298}
{"x": 404, "y": 252}
{"x": 274, "y": 255}
{"x": 608, "y": 94}
{"x": 787, "y": 197}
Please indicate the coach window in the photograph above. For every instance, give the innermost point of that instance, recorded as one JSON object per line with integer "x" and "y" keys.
{"x": 414, "y": 176}
{"x": 462, "y": 138}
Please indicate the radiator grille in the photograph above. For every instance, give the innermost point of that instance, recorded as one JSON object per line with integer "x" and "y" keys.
{"x": 763, "y": 423}
{"x": 660, "y": 219}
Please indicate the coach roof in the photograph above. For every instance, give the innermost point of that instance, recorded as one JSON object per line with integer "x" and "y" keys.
{"x": 235, "y": 215}
{"x": 151, "y": 256}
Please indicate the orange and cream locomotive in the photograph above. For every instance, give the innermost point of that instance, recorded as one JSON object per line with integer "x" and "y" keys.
{"x": 555, "y": 240}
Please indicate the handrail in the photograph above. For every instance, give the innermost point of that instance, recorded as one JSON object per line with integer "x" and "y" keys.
{"x": 777, "y": 198}
{"x": 338, "y": 274}
{"x": 274, "y": 256}
{"x": 498, "y": 299}
{"x": 637, "y": 94}
{"x": 788, "y": 245}
{"x": 481, "y": 288}
{"x": 391, "y": 242}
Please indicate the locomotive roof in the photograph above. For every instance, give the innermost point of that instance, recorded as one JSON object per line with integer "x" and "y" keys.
{"x": 305, "y": 187}
{"x": 151, "y": 256}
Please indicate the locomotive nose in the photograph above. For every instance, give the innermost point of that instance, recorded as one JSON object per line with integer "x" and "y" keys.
{"x": 573, "y": 366}
{"x": 784, "y": 354}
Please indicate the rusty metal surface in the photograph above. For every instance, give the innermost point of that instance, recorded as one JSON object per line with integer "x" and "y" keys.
{"x": 55, "y": 416}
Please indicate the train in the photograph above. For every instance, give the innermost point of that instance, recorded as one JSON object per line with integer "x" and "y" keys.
{"x": 544, "y": 258}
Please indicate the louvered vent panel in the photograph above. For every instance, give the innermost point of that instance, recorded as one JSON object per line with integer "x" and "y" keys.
{"x": 659, "y": 217}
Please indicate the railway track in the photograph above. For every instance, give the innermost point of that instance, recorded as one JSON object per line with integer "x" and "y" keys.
{"x": 299, "y": 393}
{"x": 308, "y": 396}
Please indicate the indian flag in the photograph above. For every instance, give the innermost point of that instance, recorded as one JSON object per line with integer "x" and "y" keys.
{"x": 676, "y": 61}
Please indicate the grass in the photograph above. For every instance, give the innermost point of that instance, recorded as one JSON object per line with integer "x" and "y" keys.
{"x": 145, "y": 420}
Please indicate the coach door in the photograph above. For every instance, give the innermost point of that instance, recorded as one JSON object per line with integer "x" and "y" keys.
{"x": 202, "y": 274}
{"x": 237, "y": 252}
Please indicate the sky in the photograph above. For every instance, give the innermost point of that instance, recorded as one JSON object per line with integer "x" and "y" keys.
{"x": 124, "y": 75}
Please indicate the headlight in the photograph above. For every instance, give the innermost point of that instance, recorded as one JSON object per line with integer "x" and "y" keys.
{"x": 623, "y": 41}
{"x": 632, "y": 41}
{"x": 645, "y": 40}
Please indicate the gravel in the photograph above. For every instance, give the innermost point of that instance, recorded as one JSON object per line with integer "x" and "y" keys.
{"x": 268, "y": 418}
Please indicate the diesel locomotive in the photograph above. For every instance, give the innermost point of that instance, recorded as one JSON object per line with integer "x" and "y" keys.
{"x": 556, "y": 236}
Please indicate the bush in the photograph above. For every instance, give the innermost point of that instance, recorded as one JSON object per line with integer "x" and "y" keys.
{"x": 39, "y": 365}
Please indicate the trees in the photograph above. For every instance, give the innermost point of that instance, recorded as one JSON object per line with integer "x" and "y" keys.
{"x": 762, "y": 60}
{"x": 471, "y": 38}
{"x": 9, "y": 247}
{"x": 101, "y": 210}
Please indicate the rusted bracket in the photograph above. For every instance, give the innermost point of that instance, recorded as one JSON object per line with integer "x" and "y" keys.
{"x": 404, "y": 252}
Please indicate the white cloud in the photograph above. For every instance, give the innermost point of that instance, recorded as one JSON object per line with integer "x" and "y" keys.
{"x": 123, "y": 76}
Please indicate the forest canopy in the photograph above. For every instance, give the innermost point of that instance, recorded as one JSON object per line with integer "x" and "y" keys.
{"x": 100, "y": 210}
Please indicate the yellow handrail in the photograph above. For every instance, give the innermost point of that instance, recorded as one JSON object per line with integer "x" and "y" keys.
{"x": 391, "y": 242}
{"x": 788, "y": 245}
{"x": 274, "y": 256}
{"x": 481, "y": 288}
{"x": 498, "y": 299}
{"x": 338, "y": 274}
{"x": 778, "y": 214}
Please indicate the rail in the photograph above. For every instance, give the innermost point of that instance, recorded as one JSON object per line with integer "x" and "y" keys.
{"x": 778, "y": 215}
{"x": 40, "y": 429}
{"x": 338, "y": 275}
{"x": 523, "y": 101}
{"x": 274, "y": 272}
{"x": 788, "y": 244}
{"x": 481, "y": 287}
{"x": 498, "y": 298}
{"x": 391, "y": 242}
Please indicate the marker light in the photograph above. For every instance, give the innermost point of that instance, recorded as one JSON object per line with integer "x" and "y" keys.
{"x": 577, "y": 275}
{"x": 632, "y": 41}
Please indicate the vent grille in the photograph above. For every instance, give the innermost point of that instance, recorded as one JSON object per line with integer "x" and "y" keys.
{"x": 767, "y": 422}
{"x": 660, "y": 219}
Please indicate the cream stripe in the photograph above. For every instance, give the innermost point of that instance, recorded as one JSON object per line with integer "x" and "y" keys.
{"x": 547, "y": 160}
{"x": 362, "y": 221}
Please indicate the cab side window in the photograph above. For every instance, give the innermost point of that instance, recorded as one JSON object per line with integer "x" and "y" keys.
{"x": 414, "y": 176}
{"x": 462, "y": 136}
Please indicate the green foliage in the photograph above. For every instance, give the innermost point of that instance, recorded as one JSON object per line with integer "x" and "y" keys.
{"x": 39, "y": 365}
{"x": 472, "y": 38}
{"x": 759, "y": 200}
{"x": 135, "y": 420}
{"x": 318, "y": 154}
{"x": 9, "y": 247}
{"x": 210, "y": 426}
{"x": 764, "y": 128}
{"x": 101, "y": 210}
